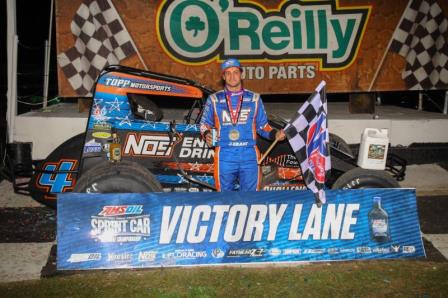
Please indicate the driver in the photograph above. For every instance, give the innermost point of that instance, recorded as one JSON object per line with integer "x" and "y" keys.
{"x": 237, "y": 115}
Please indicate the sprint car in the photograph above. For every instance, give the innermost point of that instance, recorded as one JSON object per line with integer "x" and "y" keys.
{"x": 160, "y": 155}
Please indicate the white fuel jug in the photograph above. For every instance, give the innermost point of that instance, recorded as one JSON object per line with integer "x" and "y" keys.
{"x": 373, "y": 149}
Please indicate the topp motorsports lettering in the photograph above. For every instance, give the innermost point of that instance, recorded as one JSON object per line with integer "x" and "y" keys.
{"x": 196, "y": 32}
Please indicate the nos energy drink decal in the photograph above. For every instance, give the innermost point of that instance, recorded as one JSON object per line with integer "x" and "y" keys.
{"x": 176, "y": 229}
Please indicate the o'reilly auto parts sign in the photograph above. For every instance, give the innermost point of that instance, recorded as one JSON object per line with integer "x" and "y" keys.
{"x": 284, "y": 46}
{"x": 196, "y": 32}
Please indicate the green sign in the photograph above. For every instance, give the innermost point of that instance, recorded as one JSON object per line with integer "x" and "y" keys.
{"x": 196, "y": 32}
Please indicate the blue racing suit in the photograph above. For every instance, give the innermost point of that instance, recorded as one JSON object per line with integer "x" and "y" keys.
{"x": 236, "y": 152}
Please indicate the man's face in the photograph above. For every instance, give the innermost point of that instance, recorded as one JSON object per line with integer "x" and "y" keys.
{"x": 232, "y": 77}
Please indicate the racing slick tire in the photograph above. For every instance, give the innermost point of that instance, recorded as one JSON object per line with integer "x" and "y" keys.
{"x": 363, "y": 178}
{"x": 121, "y": 177}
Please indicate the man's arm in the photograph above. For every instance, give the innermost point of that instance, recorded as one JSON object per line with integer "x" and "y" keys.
{"x": 207, "y": 121}
{"x": 263, "y": 128}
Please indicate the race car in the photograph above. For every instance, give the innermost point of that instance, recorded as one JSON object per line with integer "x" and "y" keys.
{"x": 160, "y": 155}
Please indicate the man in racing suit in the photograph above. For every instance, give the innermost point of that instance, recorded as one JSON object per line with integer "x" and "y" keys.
{"x": 237, "y": 115}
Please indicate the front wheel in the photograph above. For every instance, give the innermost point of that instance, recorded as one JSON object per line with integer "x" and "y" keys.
{"x": 363, "y": 178}
{"x": 122, "y": 177}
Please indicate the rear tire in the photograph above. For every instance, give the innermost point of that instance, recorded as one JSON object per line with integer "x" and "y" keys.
{"x": 363, "y": 178}
{"x": 122, "y": 177}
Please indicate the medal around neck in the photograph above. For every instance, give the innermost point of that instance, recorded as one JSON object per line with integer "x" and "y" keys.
{"x": 234, "y": 135}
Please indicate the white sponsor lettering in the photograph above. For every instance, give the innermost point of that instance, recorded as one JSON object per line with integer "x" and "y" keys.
{"x": 148, "y": 145}
{"x": 195, "y": 147}
{"x": 242, "y": 119}
{"x": 84, "y": 257}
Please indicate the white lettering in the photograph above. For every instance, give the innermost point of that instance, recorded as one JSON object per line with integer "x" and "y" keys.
{"x": 255, "y": 223}
{"x": 233, "y": 232}
{"x": 274, "y": 219}
{"x": 201, "y": 212}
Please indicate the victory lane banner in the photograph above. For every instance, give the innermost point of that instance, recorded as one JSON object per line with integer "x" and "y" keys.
{"x": 97, "y": 231}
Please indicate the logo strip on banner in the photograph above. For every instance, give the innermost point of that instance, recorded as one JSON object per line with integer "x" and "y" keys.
{"x": 196, "y": 32}
{"x": 172, "y": 229}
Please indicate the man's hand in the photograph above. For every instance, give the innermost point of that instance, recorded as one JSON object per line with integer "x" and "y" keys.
{"x": 209, "y": 138}
{"x": 280, "y": 135}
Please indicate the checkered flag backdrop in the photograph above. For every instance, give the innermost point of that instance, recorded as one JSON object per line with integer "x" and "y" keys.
{"x": 421, "y": 38}
{"x": 101, "y": 40}
{"x": 308, "y": 136}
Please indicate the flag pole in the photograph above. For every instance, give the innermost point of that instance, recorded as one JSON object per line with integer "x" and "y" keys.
{"x": 132, "y": 40}
{"x": 267, "y": 151}
{"x": 387, "y": 48}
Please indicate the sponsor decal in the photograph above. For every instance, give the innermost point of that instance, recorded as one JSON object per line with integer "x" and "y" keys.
{"x": 314, "y": 251}
{"x": 101, "y": 134}
{"x": 102, "y": 130}
{"x": 119, "y": 257}
{"x": 102, "y": 126}
{"x": 121, "y": 210}
{"x": 283, "y": 160}
{"x": 381, "y": 250}
{"x": 84, "y": 257}
{"x": 292, "y": 251}
{"x": 217, "y": 253}
{"x": 363, "y": 250}
{"x": 275, "y": 251}
{"x": 196, "y": 32}
{"x": 148, "y": 256}
{"x": 347, "y": 250}
{"x": 333, "y": 251}
{"x": 395, "y": 248}
{"x": 92, "y": 147}
{"x": 408, "y": 249}
{"x": 124, "y": 223}
{"x": 246, "y": 252}
{"x": 195, "y": 147}
{"x": 54, "y": 182}
{"x": 242, "y": 119}
{"x": 137, "y": 84}
{"x": 185, "y": 254}
{"x": 284, "y": 187}
{"x": 149, "y": 145}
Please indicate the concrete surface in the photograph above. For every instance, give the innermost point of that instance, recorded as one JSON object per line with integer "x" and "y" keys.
{"x": 9, "y": 199}
{"x": 427, "y": 179}
{"x": 439, "y": 241}
{"x": 22, "y": 261}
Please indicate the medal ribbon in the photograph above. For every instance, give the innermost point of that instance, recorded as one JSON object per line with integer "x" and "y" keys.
{"x": 234, "y": 114}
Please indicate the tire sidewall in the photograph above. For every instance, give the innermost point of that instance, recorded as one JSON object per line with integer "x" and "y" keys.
{"x": 363, "y": 178}
{"x": 123, "y": 177}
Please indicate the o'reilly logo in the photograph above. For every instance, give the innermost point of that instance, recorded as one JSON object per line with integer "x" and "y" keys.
{"x": 194, "y": 31}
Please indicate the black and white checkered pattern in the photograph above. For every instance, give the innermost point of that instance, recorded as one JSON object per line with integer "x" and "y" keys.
{"x": 421, "y": 38}
{"x": 101, "y": 40}
{"x": 297, "y": 134}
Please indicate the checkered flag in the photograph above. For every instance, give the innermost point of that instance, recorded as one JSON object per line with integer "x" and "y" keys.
{"x": 308, "y": 136}
{"x": 421, "y": 39}
{"x": 101, "y": 40}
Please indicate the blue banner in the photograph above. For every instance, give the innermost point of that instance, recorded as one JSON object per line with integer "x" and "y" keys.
{"x": 186, "y": 229}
